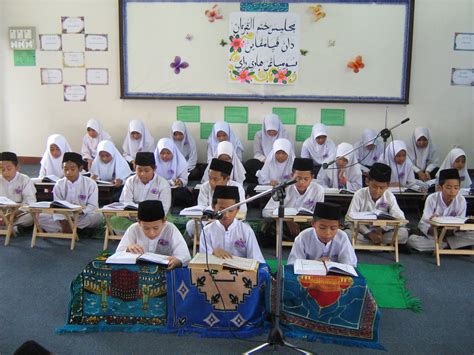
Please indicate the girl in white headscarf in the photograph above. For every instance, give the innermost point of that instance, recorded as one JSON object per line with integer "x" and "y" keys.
{"x": 109, "y": 165}
{"x": 222, "y": 132}
{"x": 371, "y": 150}
{"x": 184, "y": 141}
{"x": 138, "y": 139}
{"x": 423, "y": 154}
{"x": 344, "y": 173}
{"x": 170, "y": 163}
{"x": 318, "y": 147}
{"x": 225, "y": 151}
{"x": 402, "y": 167}
{"x": 279, "y": 163}
{"x": 95, "y": 134}
{"x": 272, "y": 129}
{"x": 456, "y": 159}
{"x": 52, "y": 160}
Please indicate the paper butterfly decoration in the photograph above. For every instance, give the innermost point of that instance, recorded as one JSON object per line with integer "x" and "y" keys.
{"x": 317, "y": 12}
{"x": 177, "y": 65}
{"x": 303, "y": 52}
{"x": 214, "y": 14}
{"x": 223, "y": 43}
{"x": 356, "y": 65}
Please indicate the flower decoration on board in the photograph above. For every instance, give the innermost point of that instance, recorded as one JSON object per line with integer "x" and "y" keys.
{"x": 189, "y": 37}
{"x": 236, "y": 43}
{"x": 356, "y": 64}
{"x": 214, "y": 13}
{"x": 317, "y": 11}
{"x": 281, "y": 76}
{"x": 331, "y": 43}
{"x": 223, "y": 42}
{"x": 177, "y": 65}
{"x": 303, "y": 52}
{"x": 244, "y": 76}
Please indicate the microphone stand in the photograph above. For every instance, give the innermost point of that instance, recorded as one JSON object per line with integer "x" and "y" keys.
{"x": 275, "y": 336}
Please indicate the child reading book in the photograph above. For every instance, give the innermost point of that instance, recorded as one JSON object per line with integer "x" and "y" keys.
{"x": 153, "y": 234}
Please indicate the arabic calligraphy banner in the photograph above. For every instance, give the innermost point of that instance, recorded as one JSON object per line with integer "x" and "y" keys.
{"x": 263, "y": 48}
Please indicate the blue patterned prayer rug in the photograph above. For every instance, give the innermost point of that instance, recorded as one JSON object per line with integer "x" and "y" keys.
{"x": 107, "y": 297}
{"x": 235, "y": 308}
{"x": 335, "y": 309}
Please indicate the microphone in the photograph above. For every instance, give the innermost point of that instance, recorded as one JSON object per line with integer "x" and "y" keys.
{"x": 326, "y": 165}
{"x": 209, "y": 214}
{"x": 385, "y": 133}
{"x": 285, "y": 184}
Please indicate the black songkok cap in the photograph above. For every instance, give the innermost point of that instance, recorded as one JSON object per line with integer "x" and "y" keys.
{"x": 145, "y": 159}
{"x": 150, "y": 211}
{"x": 448, "y": 174}
{"x": 327, "y": 210}
{"x": 380, "y": 172}
{"x": 303, "y": 164}
{"x": 74, "y": 157}
{"x": 9, "y": 156}
{"x": 226, "y": 192}
{"x": 223, "y": 166}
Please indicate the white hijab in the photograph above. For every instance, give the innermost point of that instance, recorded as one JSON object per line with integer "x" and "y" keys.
{"x": 320, "y": 153}
{"x": 365, "y": 156}
{"x": 238, "y": 170}
{"x": 274, "y": 170}
{"x": 232, "y": 138}
{"x": 271, "y": 122}
{"x": 54, "y": 166}
{"x": 173, "y": 169}
{"x": 91, "y": 143}
{"x": 422, "y": 157}
{"x": 146, "y": 142}
{"x": 117, "y": 168}
{"x": 400, "y": 173}
{"x": 187, "y": 145}
{"x": 351, "y": 172}
{"x": 448, "y": 164}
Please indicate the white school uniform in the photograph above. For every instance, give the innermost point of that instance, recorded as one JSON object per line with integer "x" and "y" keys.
{"x": 263, "y": 143}
{"x": 212, "y": 141}
{"x": 170, "y": 242}
{"x": 401, "y": 173}
{"x": 330, "y": 177}
{"x": 366, "y": 157}
{"x": 156, "y": 189}
{"x": 308, "y": 246}
{"x": 435, "y": 206}
{"x": 238, "y": 170}
{"x": 49, "y": 164}
{"x": 239, "y": 240}
{"x": 176, "y": 168}
{"x": 319, "y": 153}
{"x": 448, "y": 164}
{"x": 117, "y": 168}
{"x": 187, "y": 146}
{"x": 362, "y": 202}
{"x": 89, "y": 144}
{"x": 274, "y": 170}
{"x": 20, "y": 189}
{"x": 83, "y": 192}
{"x": 131, "y": 146}
{"x": 313, "y": 194}
{"x": 423, "y": 159}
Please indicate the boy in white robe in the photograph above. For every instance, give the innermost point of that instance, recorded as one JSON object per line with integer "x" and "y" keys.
{"x": 76, "y": 189}
{"x": 228, "y": 236}
{"x": 17, "y": 187}
{"x": 376, "y": 196}
{"x": 324, "y": 241}
{"x": 304, "y": 193}
{"x": 446, "y": 202}
{"x": 153, "y": 234}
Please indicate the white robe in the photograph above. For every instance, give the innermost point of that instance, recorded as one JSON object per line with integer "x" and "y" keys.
{"x": 187, "y": 146}
{"x": 423, "y": 159}
{"x": 117, "y": 168}
{"x": 319, "y": 153}
{"x": 212, "y": 141}
{"x": 170, "y": 242}
{"x": 156, "y": 189}
{"x": 367, "y": 157}
{"x": 263, "y": 143}
{"x": 20, "y": 189}
{"x": 239, "y": 240}
{"x": 238, "y": 170}
{"x": 89, "y": 144}
{"x": 330, "y": 177}
{"x": 176, "y": 168}
{"x": 313, "y": 194}
{"x": 308, "y": 246}
{"x": 274, "y": 170}
{"x": 401, "y": 173}
{"x": 131, "y": 146}
{"x": 448, "y": 164}
{"x": 49, "y": 164}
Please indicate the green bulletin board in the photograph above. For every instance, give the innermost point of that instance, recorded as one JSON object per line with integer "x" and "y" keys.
{"x": 252, "y": 129}
{"x": 303, "y": 132}
{"x": 206, "y": 129}
{"x": 333, "y": 117}
{"x": 287, "y": 114}
{"x": 236, "y": 114}
{"x": 188, "y": 113}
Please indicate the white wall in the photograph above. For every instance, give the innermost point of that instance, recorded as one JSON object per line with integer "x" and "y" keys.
{"x": 32, "y": 111}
